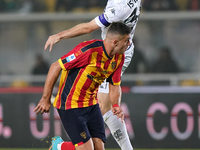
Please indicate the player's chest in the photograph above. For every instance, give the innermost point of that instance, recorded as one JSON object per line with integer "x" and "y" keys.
{"x": 107, "y": 67}
{"x": 103, "y": 67}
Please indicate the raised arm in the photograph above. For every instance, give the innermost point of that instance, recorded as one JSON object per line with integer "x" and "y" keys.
{"x": 75, "y": 31}
{"x": 115, "y": 98}
{"x": 52, "y": 76}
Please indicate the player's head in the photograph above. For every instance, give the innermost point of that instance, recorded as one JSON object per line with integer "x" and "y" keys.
{"x": 118, "y": 28}
{"x": 118, "y": 37}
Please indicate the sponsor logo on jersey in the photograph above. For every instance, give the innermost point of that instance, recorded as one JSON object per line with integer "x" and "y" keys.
{"x": 113, "y": 11}
{"x": 78, "y": 53}
{"x": 96, "y": 79}
{"x": 102, "y": 61}
{"x": 70, "y": 57}
{"x": 104, "y": 72}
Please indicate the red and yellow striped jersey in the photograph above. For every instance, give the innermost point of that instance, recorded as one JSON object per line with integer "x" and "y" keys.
{"x": 83, "y": 69}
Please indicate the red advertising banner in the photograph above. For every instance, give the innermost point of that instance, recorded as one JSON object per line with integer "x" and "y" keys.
{"x": 156, "y": 117}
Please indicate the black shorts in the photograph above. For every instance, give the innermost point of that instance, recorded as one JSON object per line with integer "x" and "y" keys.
{"x": 81, "y": 124}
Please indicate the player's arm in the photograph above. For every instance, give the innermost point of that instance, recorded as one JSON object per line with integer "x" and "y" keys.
{"x": 115, "y": 98}
{"x": 75, "y": 31}
{"x": 52, "y": 76}
{"x": 115, "y": 89}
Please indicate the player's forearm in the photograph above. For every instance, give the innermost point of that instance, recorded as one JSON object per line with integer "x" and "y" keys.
{"x": 80, "y": 29}
{"x": 114, "y": 91}
{"x": 51, "y": 79}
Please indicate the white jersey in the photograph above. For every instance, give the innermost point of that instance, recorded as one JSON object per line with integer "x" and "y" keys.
{"x": 126, "y": 11}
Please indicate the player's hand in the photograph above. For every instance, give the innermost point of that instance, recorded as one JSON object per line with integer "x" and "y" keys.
{"x": 118, "y": 112}
{"x": 43, "y": 106}
{"x": 51, "y": 41}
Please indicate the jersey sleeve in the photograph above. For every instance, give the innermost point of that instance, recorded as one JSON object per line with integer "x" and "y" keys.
{"x": 102, "y": 21}
{"x": 128, "y": 56}
{"x": 110, "y": 15}
{"x": 115, "y": 77}
{"x": 75, "y": 58}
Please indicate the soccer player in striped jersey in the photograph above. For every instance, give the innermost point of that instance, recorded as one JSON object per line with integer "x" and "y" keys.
{"x": 126, "y": 11}
{"x": 84, "y": 68}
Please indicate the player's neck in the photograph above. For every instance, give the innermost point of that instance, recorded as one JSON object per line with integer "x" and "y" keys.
{"x": 109, "y": 48}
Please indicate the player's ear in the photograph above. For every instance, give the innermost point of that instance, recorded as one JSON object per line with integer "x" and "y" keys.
{"x": 115, "y": 42}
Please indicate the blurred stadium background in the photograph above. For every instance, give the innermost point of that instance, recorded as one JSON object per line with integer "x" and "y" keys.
{"x": 106, "y": 149}
{"x": 161, "y": 95}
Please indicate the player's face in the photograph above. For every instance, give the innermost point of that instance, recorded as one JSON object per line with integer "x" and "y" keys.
{"x": 123, "y": 44}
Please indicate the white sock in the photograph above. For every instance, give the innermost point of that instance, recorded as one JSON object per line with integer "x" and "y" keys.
{"x": 118, "y": 130}
{"x": 52, "y": 99}
{"x": 59, "y": 145}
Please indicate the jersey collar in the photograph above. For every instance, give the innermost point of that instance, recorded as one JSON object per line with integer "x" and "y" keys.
{"x": 104, "y": 49}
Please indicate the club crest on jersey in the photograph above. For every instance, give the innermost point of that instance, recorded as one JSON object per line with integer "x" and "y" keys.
{"x": 70, "y": 57}
{"x": 113, "y": 65}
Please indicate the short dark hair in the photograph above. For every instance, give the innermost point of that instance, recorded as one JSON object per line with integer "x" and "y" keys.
{"x": 119, "y": 28}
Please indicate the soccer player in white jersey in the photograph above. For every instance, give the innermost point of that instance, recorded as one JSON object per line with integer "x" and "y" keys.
{"x": 126, "y": 11}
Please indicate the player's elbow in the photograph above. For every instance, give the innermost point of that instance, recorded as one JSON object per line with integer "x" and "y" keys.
{"x": 88, "y": 28}
{"x": 55, "y": 67}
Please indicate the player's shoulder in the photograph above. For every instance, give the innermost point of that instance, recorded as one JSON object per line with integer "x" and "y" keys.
{"x": 118, "y": 10}
{"x": 121, "y": 5}
{"x": 93, "y": 41}
{"x": 91, "y": 45}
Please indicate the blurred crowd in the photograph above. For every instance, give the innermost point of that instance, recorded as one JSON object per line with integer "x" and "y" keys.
{"x": 27, "y": 6}
{"x": 164, "y": 62}
{"x": 171, "y": 5}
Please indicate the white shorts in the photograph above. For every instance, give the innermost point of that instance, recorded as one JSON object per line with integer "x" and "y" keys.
{"x": 104, "y": 87}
